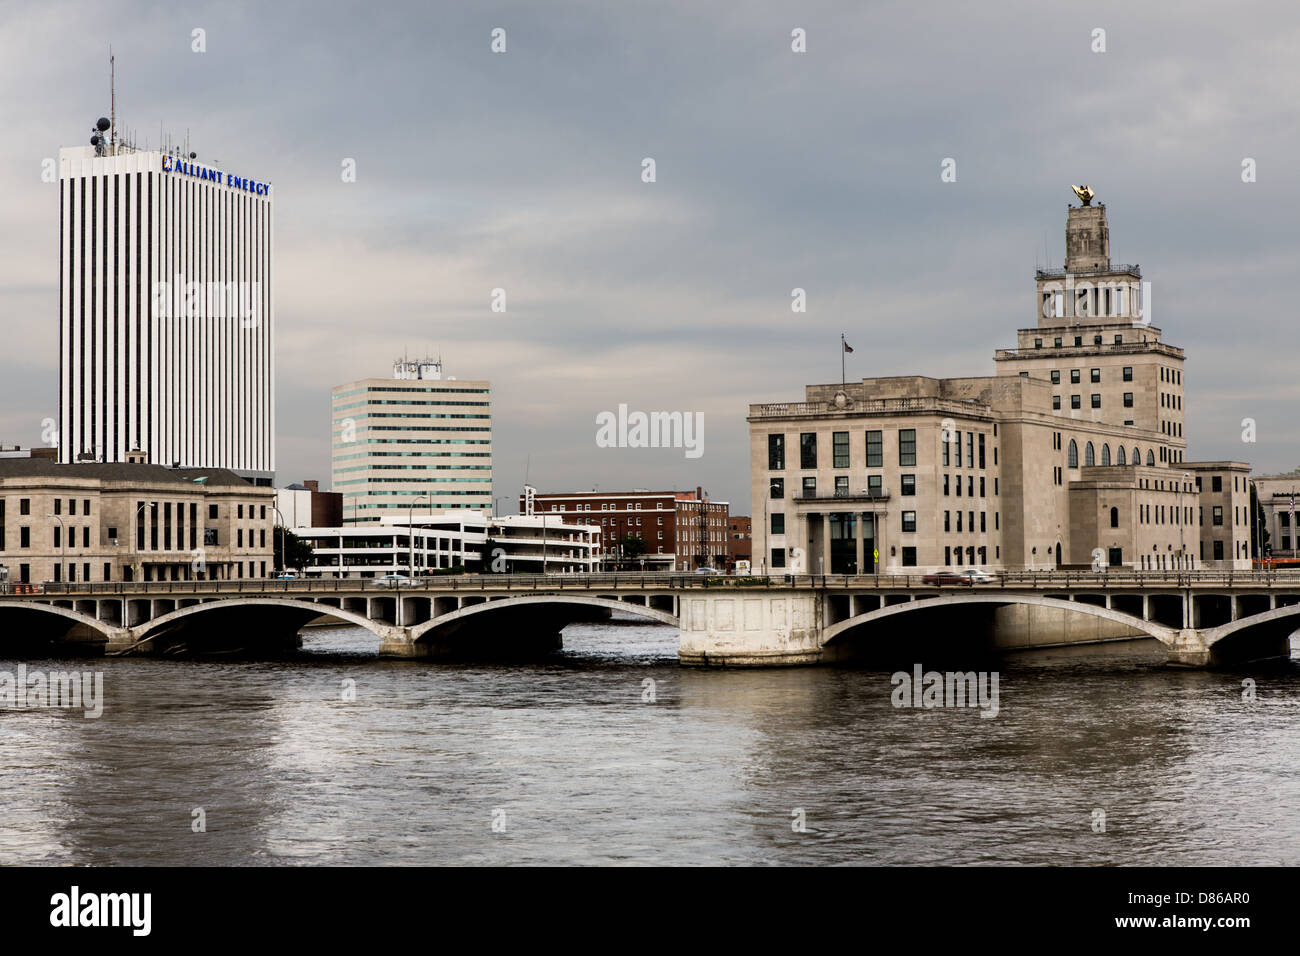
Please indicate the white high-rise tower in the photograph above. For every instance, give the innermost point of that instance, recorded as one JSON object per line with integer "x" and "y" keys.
{"x": 166, "y": 310}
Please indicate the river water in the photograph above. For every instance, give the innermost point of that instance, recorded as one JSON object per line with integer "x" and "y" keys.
{"x": 572, "y": 762}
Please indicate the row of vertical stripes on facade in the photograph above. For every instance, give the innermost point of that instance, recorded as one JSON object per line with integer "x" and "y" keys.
{"x": 193, "y": 384}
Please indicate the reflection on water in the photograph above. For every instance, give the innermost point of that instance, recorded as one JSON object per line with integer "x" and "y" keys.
{"x": 582, "y": 768}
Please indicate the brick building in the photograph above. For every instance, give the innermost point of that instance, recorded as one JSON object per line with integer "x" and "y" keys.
{"x": 682, "y": 530}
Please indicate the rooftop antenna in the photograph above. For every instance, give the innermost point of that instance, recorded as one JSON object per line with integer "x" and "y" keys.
{"x": 112, "y": 98}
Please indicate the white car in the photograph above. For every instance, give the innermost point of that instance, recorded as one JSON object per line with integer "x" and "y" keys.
{"x": 393, "y": 581}
{"x": 976, "y": 576}
{"x": 713, "y": 571}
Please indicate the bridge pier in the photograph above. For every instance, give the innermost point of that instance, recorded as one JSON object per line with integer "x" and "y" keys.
{"x": 771, "y": 629}
{"x": 1190, "y": 649}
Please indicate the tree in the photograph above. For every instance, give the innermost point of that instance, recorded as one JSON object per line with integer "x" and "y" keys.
{"x": 298, "y": 552}
{"x": 633, "y": 545}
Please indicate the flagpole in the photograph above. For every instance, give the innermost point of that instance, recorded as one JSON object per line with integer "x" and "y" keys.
{"x": 843, "y": 377}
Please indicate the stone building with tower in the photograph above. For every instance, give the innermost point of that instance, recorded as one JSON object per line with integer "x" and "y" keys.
{"x": 1071, "y": 455}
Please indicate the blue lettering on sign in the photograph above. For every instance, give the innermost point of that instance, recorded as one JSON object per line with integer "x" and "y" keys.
{"x": 171, "y": 165}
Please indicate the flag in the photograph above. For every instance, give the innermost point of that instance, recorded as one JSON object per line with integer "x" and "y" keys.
{"x": 847, "y": 347}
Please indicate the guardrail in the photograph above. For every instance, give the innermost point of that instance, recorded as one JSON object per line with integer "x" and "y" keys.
{"x": 666, "y": 580}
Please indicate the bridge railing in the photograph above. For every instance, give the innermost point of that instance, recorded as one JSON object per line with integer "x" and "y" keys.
{"x": 667, "y": 580}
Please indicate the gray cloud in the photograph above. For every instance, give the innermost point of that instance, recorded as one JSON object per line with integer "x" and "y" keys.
{"x": 775, "y": 170}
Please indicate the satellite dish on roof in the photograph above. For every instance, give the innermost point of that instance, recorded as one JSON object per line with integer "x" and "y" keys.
{"x": 102, "y": 124}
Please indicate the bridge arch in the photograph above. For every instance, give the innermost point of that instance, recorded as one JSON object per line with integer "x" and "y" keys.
{"x": 310, "y": 611}
{"x": 1265, "y": 634}
{"x": 555, "y": 600}
{"x": 1160, "y": 632}
{"x": 39, "y": 607}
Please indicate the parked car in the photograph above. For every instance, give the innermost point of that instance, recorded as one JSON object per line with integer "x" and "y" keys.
{"x": 393, "y": 581}
{"x": 979, "y": 576}
{"x": 287, "y": 576}
{"x": 940, "y": 578}
{"x": 713, "y": 571}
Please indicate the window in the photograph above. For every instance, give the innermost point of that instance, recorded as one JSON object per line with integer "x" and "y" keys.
{"x": 909, "y": 557}
{"x": 909, "y": 520}
{"x": 1075, "y": 401}
{"x": 808, "y": 450}
{"x": 778, "y": 557}
{"x": 1114, "y": 517}
{"x": 810, "y": 487}
{"x": 1096, "y": 340}
{"x": 873, "y": 486}
{"x": 24, "y": 506}
{"x": 85, "y": 537}
{"x": 945, "y": 484}
{"x": 907, "y": 446}
{"x": 981, "y": 486}
{"x": 943, "y": 441}
{"x": 981, "y": 451}
{"x": 1119, "y": 339}
{"x": 1119, "y": 456}
{"x": 1218, "y": 551}
{"x": 24, "y": 537}
{"x": 1105, "y": 456}
{"x": 1216, "y": 483}
{"x": 1074, "y": 376}
{"x": 776, "y": 489}
{"x": 983, "y": 520}
{"x": 840, "y": 449}
{"x": 1057, "y": 342}
{"x": 239, "y": 510}
{"x": 875, "y": 450}
{"x": 1217, "y": 513}
{"x": 1096, "y": 400}
{"x": 1078, "y": 340}
{"x": 841, "y": 486}
{"x": 947, "y": 521}
{"x": 957, "y": 480}
{"x": 1038, "y": 343}
{"x": 1151, "y": 458}
{"x": 1056, "y": 376}
{"x": 1072, "y": 455}
{"x": 959, "y": 514}
{"x": 1056, "y": 403}
{"x": 1096, "y": 373}
{"x": 778, "y": 524}
{"x": 58, "y": 506}
{"x": 956, "y": 444}
{"x": 970, "y": 449}
{"x": 212, "y": 511}
{"x": 776, "y": 452}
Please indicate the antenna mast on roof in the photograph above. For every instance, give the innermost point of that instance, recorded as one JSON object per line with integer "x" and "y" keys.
{"x": 112, "y": 98}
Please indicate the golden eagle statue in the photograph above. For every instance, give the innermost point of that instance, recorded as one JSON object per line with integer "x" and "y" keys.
{"x": 1084, "y": 193}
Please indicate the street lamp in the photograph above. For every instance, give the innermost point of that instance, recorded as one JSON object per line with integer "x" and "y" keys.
{"x": 284, "y": 557}
{"x": 410, "y": 529}
{"x": 135, "y": 548}
{"x": 63, "y": 543}
{"x": 1182, "y": 550}
{"x": 767, "y": 524}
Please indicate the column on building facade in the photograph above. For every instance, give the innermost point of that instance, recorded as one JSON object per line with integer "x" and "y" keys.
{"x": 858, "y": 531}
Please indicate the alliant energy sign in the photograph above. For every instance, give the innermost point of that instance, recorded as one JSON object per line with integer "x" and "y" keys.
{"x": 171, "y": 164}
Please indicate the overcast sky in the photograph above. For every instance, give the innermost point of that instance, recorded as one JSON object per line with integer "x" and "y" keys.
{"x": 522, "y": 170}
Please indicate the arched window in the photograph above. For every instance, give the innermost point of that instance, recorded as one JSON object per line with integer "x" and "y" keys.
{"x": 1114, "y": 517}
{"x": 1119, "y": 456}
{"x": 1105, "y": 455}
{"x": 1089, "y": 456}
{"x": 1072, "y": 455}
{"x": 1151, "y": 458}
{"x": 1137, "y": 455}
